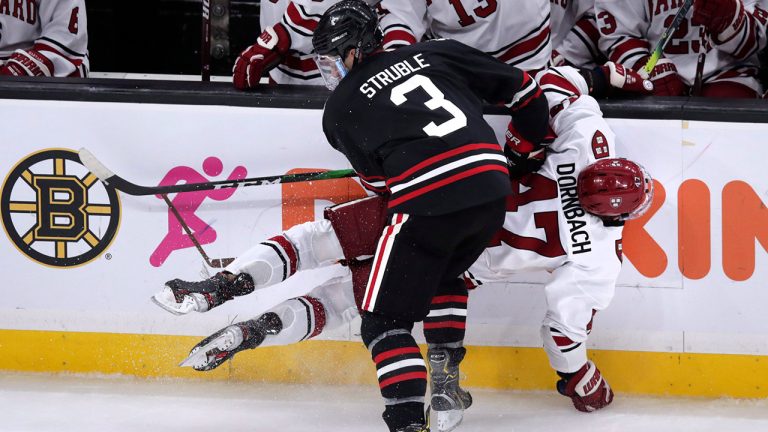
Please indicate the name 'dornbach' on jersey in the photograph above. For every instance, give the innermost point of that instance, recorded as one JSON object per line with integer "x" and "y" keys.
{"x": 574, "y": 214}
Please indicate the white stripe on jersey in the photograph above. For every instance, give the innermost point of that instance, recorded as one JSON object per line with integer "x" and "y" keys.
{"x": 448, "y": 167}
{"x": 383, "y": 250}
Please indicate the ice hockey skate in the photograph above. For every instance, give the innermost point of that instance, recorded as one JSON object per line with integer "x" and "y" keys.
{"x": 225, "y": 343}
{"x": 448, "y": 399}
{"x": 181, "y": 297}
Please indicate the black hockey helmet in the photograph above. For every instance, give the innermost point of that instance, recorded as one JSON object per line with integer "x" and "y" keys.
{"x": 348, "y": 24}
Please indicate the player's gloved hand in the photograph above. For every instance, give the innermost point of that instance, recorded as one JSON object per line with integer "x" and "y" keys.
{"x": 523, "y": 156}
{"x": 268, "y": 51}
{"x": 722, "y": 18}
{"x": 666, "y": 81}
{"x": 587, "y": 388}
{"x": 626, "y": 79}
{"x": 180, "y": 297}
{"x": 27, "y": 63}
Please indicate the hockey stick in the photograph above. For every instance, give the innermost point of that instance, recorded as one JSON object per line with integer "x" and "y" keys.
{"x": 111, "y": 179}
{"x": 213, "y": 263}
{"x": 698, "y": 80}
{"x": 205, "y": 42}
{"x": 666, "y": 36}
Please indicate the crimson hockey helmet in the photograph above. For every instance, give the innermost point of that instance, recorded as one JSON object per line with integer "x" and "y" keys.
{"x": 347, "y": 24}
{"x": 615, "y": 189}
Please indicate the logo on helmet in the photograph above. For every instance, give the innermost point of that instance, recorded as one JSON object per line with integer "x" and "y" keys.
{"x": 616, "y": 202}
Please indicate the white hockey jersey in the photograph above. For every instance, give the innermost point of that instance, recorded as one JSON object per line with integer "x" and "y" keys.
{"x": 516, "y": 32}
{"x": 631, "y": 29}
{"x": 546, "y": 228}
{"x": 57, "y": 29}
{"x": 574, "y": 32}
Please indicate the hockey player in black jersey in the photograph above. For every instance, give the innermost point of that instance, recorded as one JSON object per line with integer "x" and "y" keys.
{"x": 411, "y": 124}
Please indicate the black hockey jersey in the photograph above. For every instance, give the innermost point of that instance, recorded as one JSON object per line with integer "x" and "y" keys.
{"x": 410, "y": 121}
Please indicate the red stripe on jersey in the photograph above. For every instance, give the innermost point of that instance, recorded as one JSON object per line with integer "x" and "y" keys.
{"x": 395, "y": 352}
{"x": 367, "y": 183}
{"x": 445, "y": 324}
{"x": 589, "y": 28}
{"x": 468, "y": 282}
{"x": 553, "y": 79}
{"x": 399, "y": 35}
{"x": 289, "y": 250}
{"x": 524, "y": 103}
{"x": 447, "y": 181}
{"x": 41, "y": 47}
{"x": 300, "y": 64}
{"x": 379, "y": 257}
{"x": 749, "y": 43}
{"x": 298, "y": 20}
{"x": 526, "y": 46}
{"x": 442, "y": 156}
{"x": 562, "y": 341}
{"x": 735, "y": 73}
{"x": 450, "y": 299}
{"x": 631, "y": 44}
{"x": 403, "y": 377}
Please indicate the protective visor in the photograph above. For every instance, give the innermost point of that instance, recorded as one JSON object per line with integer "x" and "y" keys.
{"x": 332, "y": 69}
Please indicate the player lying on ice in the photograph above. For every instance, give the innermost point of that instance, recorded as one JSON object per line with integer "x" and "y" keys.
{"x": 567, "y": 219}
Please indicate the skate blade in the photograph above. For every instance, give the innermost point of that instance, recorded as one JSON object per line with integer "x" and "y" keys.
{"x": 448, "y": 420}
{"x": 167, "y": 301}
{"x": 164, "y": 305}
{"x": 200, "y": 356}
{"x": 223, "y": 342}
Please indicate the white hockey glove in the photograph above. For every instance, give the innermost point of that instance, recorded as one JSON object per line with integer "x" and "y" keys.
{"x": 624, "y": 78}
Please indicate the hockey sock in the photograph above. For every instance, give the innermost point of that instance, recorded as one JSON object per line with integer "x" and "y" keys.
{"x": 400, "y": 369}
{"x": 446, "y": 323}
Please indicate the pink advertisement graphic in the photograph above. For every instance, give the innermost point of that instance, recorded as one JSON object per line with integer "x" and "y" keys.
{"x": 187, "y": 204}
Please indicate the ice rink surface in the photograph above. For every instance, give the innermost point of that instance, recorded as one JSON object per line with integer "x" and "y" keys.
{"x": 33, "y": 402}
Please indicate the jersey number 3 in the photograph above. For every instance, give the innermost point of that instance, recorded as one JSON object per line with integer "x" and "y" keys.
{"x": 437, "y": 100}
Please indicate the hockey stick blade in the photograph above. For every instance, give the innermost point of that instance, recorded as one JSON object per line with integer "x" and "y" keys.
{"x": 111, "y": 179}
{"x": 666, "y": 36}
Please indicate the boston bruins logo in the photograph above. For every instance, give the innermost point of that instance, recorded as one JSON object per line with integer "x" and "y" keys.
{"x": 56, "y": 212}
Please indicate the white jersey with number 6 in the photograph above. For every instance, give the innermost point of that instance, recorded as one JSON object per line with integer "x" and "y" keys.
{"x": 57, "y": 29}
